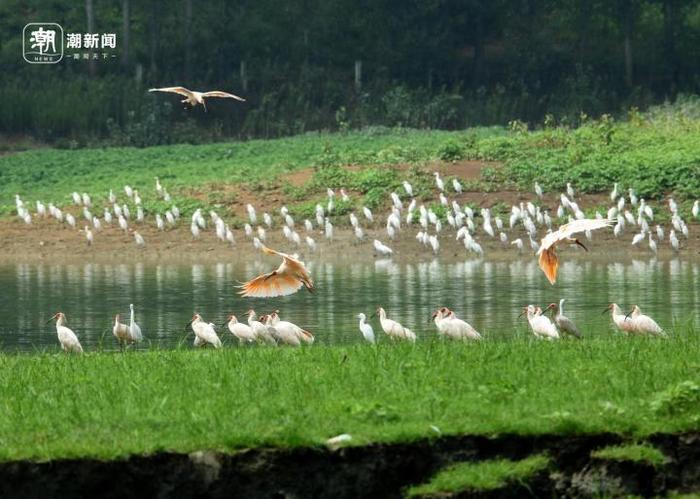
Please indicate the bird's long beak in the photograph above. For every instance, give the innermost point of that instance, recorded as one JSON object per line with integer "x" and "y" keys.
{"x": 373, "y": 315}
{"x": 605, "y": 311}
{"x": 52, "y": 318}
{"x": 186, "y": 325}
{"x": 432, "y": 316}
{"x": 628, "y": 314}
{"x": 581, "y": 244}
{"x": 523, "y": 312}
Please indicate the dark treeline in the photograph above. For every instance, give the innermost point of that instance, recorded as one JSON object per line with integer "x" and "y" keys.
{"x": 333, "y": 64}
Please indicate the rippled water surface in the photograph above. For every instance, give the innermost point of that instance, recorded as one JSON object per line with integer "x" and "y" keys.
{"x": 487, "y": 294}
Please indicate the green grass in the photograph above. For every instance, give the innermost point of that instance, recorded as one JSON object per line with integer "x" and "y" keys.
{"x": 51, "y": 175}
{"x": 481, "y": 476}
{"x": 110, "y": 404}
{"x": 638, "y": 453}
{"x": 656, "y": 153}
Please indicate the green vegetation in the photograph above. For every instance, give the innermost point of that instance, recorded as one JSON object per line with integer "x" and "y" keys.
{"x": 640, "y": 453}
{"x": 113, "y": 404}
{"x": 484, "y": 475}
{"x": 655, "y": 153}
{"x": 434, "y": 64}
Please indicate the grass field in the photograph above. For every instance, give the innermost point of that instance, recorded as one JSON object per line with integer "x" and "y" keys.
{"x": 109, "y": 405}
{"x": 481, "y": 476}
{"x": 656, "y": 153}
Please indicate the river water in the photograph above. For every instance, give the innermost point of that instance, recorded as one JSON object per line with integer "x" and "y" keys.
{"x": 488, "y": 294}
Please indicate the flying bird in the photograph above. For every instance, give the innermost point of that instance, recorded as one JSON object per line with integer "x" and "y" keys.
{"x": 549, "y": 261}
{"x": 289, "y": 277}
{"x": 194, "y": 98}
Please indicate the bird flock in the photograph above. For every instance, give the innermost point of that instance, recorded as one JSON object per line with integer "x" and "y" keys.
{"x": 525, "y": 224}
{"x": 270, "y": 329}
{"x": 529, "y": 220}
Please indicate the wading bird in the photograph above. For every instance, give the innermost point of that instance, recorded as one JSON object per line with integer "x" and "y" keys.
{"x": 194, "y": 98}
{"x": 283, "y": 335}
{"x": 243, "y": 332}
{"x": 120, "y": 331}
{"x": 66, "y": 337}
{"x": 548, "y": 261}
{"x": 563, "y": 323}
{"x": 365, "y": 328}
{"x": 540, "y": 325}
{"x": 450, "y": 326}
{"x": 393, "y": 329}
{"x": 259, "y": 329}
{"x": 623, "y": 323}
{"x": 134, "y": 329}
{"x": 204, "y": 333}
{"x": 644, "y": 324}
{"x": 289, "y": 277}
{"x": 286, "y": 327}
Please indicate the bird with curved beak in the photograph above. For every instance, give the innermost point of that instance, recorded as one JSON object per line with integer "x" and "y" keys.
{"x": 548, "y": 259}
{"x": 66, "y": 337}
{"x": 642, "y": 323}
{"x": 563, "y": 323}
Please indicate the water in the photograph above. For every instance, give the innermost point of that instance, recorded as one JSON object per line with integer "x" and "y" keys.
{"x": 488, "y": 294}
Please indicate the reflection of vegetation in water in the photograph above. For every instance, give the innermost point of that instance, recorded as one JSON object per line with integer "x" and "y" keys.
{"x": 483, "y": 475}
{"x": 642, "y": 453}
{"x": 113, "y": 404}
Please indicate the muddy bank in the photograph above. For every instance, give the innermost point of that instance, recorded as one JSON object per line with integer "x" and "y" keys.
{"x": 373, "y": 471}
{"x": 45, "y": 240}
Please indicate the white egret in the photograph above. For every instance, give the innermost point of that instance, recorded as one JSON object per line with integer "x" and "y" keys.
{"x": 134, "y": 329}
{"x": 365, "y": 328}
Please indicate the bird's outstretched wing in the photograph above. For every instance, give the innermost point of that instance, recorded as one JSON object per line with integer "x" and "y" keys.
{"x": 549, "y": 263}
{"x": 568, "y": 230}
{"x": 173, "y": 90}
{"x": 225, "y": 95}
{"x": 270, "y": 284}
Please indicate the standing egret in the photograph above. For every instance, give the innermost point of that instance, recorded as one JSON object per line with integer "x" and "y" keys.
{"x": 134, "y": 329}
{"x": 438, "y": 181}
{"x": 381, "y": 248}
{"x": 66, "y": 337}
{"x": 538, "y": 190}
{"x": 365, "y": 328}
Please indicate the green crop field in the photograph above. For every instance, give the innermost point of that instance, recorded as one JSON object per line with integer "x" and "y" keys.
{"x": 115, "y": 404}
{"x": 656, "y": 153}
